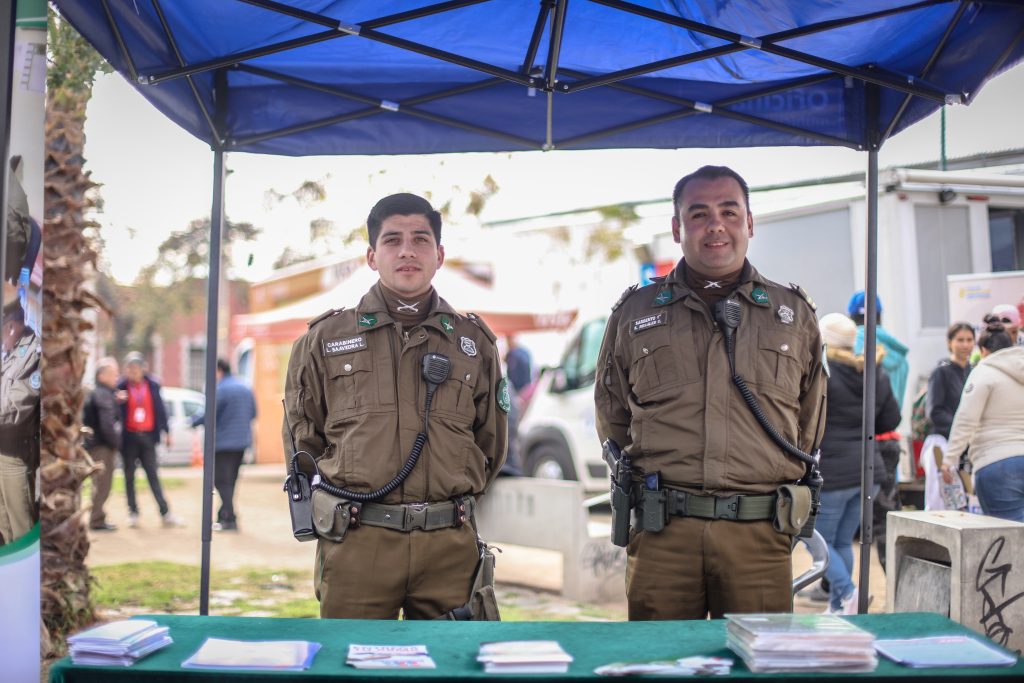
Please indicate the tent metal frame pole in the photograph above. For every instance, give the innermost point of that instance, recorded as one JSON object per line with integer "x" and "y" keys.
{"x": 934, "y": 57}
{"x": 8, "y": 26}
{"x": 169, "y": 34}
{"x": 133, "y": 73}
{"x": 867, "y": 473}
{"x": 902, "y": 83}
{"x": 538, "y": 33}
{"x": 210, "y": 411}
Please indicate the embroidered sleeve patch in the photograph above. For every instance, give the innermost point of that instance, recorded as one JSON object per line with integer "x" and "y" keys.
{"x": 334, "y": 347}
{"x": 503, "y": 397}
{"x": 648, "y": 321}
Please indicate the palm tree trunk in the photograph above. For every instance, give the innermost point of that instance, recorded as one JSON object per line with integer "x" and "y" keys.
{"x": 68, "y": 258}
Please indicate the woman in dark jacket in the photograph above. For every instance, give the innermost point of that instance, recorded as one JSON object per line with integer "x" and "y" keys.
{"x": 946, "y": 382}
{"x": 841, "y": 454}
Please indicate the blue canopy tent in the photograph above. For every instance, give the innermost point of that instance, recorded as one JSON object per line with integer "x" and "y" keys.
{"x": 385, "y": 77}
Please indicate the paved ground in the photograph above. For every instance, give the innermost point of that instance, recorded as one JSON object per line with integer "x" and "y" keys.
{"x": 265, "y": 538}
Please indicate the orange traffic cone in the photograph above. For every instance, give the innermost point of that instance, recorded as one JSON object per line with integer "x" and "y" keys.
{"x": 197, "y": 452}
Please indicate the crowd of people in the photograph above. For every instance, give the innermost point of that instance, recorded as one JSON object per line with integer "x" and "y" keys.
{"x": 126, "y": 415}
{"x": 973, "y": 431}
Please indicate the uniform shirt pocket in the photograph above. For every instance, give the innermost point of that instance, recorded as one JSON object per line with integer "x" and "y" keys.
{"x": 454, "y": 397}
{"x": 350, "y": 383}
{"x": 656, "y": 366}
{"x": 778, "y": 361}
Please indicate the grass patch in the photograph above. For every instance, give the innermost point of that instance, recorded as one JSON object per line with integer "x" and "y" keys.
{"x": 167, "y": 587}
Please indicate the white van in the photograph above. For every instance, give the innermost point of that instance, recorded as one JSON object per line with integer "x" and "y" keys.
{"x": 558, "y": 437}
{"x": 182, "y": 405}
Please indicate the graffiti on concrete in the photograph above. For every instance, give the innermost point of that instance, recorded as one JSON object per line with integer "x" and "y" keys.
{"x": 990, "y": 583}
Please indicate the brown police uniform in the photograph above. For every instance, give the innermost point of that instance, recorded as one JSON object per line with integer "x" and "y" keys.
{"x": 354, "y": 398}
{"x": 19, "y": 437}
{"x": 665, "y": 395}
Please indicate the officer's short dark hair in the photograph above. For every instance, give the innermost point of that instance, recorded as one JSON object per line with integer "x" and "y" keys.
{"x": 402, "y": 204}
{"x": 13, "y": 312}
{"x": 709, "y": 173}
{"x": 223, "y": 366}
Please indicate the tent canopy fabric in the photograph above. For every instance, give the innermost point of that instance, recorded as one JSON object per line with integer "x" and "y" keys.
{"x": 309, "y": 77}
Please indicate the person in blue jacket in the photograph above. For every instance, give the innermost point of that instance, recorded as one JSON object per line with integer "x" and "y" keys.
{"x": 236, "y": 409}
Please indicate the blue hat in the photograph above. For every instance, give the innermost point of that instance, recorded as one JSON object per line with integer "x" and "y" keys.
{"x": 857, "y": 304}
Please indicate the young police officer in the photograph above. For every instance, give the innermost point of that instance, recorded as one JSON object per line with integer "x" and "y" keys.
{"x": 707, "y": 472}
{"x": 355, "y": 396}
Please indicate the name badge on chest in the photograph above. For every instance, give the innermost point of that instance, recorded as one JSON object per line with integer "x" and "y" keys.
{"x": 648, "y": 321}
{"x": 335, "y": 347}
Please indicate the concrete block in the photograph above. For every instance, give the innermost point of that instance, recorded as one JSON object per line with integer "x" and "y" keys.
{"x": 549, "y": 514}
{"x": 985, "y": 557}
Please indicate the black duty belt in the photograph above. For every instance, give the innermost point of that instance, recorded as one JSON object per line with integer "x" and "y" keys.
{"x": 422, "y": 516}
{"x": 744, "y": 508}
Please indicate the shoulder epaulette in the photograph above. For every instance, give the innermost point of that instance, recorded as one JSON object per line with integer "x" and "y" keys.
{"x": 478, "y": 321}
{"x": 803, "y": 295}
{"x": 324, "y": 316}
{"x": 625, "y": 295}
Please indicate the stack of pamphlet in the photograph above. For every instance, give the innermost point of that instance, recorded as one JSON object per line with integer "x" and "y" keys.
{"x": 524, "y": 657}
{"x": 389, "y": 657}
{"x": 264, "y": 655}
{"x": 943, "y": 652}
{"x": 685, "y": 666}
{"x": 800, "y": 642}
{"x": 119, "y": 643}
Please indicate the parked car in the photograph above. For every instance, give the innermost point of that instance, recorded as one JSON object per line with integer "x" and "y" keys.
{"x": 182, "y": 405}
{"x": 558, "y": 438}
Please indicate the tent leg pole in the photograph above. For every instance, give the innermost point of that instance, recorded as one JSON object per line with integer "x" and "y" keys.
{"x": 868, "y": 425}
{"x": 210, "y": 414}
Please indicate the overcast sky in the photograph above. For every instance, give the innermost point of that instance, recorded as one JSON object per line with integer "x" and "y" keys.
{"x": 156, "y": 178}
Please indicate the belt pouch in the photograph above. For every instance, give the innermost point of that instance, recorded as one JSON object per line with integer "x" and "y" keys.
{"x": 792, "y": 508}
{"x": 653, "y": 510}
{"x": 331, "y": 517}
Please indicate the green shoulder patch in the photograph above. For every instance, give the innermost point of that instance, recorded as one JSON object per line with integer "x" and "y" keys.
{"x": 625, "y": 295}
{"x": 803, "y": 295}
{"x": 503, "y": 397}
{"x": 324, "y": 316}
{"x": 478, "y": 321}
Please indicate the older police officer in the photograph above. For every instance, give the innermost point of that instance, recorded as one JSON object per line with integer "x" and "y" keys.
{"x": 355, "y": 398}
{"x": 707, "y": 537}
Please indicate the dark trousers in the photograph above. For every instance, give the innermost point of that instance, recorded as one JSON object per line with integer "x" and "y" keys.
{"x": 101, "y": 482}
{"x": 225, "y": 476}
{"x": 140, "y": 447}
{"x": 888, "y": 498}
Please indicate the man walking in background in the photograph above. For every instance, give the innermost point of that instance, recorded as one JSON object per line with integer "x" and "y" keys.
{"x": 102, "y": 414}
{"x": 236, "y": 409}
{"x": 144, "y": 419}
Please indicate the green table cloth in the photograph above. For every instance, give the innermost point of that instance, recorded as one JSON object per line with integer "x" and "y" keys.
{"x": 453, "y": 646}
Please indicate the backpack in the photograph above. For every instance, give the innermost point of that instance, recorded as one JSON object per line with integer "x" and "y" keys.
{"x": 920, "y": 425}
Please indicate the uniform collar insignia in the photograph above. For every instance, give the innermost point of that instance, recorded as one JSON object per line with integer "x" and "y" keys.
{"x": 403, "y": 307}
{"x": 664, "y": 297}
{"x": 759, "y": 295}
{"x": 713, "y": 284}
{"x": 446, "y": 323}
{"x": 367, "y": 320}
